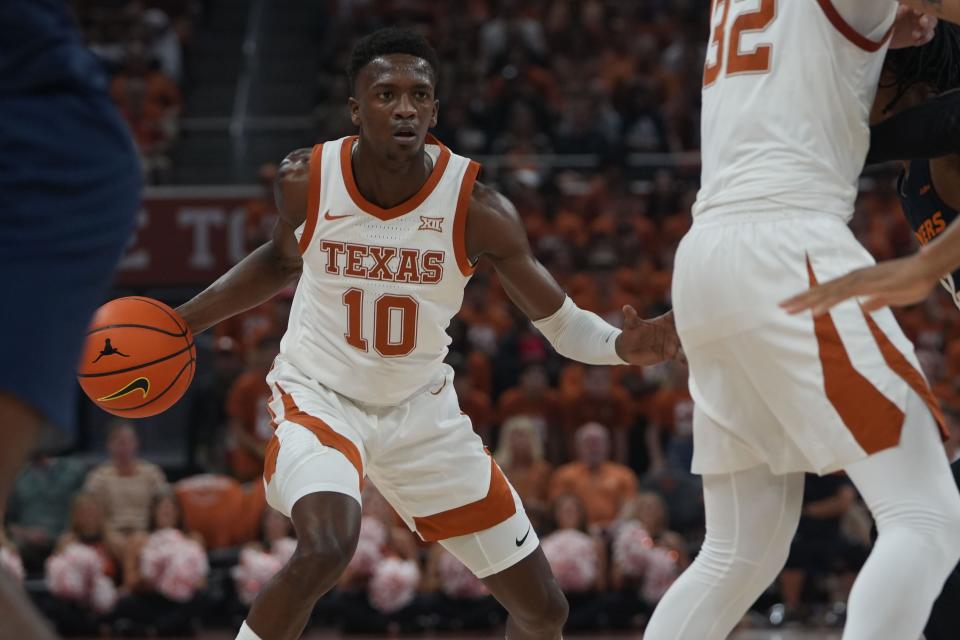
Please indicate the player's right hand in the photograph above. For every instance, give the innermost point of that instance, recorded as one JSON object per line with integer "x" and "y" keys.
{"x": 893, "y": 283}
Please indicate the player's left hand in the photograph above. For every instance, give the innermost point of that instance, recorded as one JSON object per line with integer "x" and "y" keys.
{"x": 893, "y": 283}
{"x": 647, "y": 342}
{"x": 912, "y": 28}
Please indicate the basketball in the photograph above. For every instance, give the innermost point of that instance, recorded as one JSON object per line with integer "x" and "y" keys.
{"x": 138, "y": 358}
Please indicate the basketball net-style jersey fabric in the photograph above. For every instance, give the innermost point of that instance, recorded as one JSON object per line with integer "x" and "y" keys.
{"x": 787, "y": 89}
{"x": 379, "y": 286}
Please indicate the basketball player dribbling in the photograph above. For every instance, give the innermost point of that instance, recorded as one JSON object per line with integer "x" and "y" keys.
{"x": 787, "y": 92}
{"x": 384, "y": 230}
{"x": 69, "y": 192}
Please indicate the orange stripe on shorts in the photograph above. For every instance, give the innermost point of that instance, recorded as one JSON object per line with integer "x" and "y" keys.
{"x": 324, "y": 433}
{"x": 899, "y": 363}
{"x": 873, "y": 419}
{"x": 497, "y": 506}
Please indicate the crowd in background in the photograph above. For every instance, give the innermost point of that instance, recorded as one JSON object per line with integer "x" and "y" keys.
{"x": 599, "y": 455}
{"x": 141, "y": 43}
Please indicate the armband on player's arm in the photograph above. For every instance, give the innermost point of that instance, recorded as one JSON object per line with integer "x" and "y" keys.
{"x": 581, "y": 335}
{"x": 927, "y": 130}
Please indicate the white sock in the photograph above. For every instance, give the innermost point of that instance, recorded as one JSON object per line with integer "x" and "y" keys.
{"x": 246, "y": 633}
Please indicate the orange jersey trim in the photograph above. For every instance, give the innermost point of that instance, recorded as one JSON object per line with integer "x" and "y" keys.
{"x": 873, "y": 419}
{"x": 849, "y": 32}
{"x": 324, "y": 433}
{"x": 346, "y": 168}
{"x": 899, "y": 363}
{"x": 460, "y": 218}
{"x": 313, "y": 197}
{"x": 497, "y": 506}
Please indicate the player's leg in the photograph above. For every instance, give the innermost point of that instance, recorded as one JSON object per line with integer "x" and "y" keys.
{"x": 327, "y": 526}
{"x": 916, "y": 506}
{"x": 433, "y": 469}
{"x": 751, "y": 516}
{"x": 313, "y": 470}
{"x": 530, "y": 593}
{"x": 21, "y": 429}
{"x": 945, "y": 617}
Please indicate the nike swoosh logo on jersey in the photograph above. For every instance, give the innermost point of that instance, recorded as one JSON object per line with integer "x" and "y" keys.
{"x": 520, "y": 541}
{"x": 327, "y": 216}
{"x": 139, "y": 384}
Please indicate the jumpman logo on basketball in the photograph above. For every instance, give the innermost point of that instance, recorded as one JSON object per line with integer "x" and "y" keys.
{"x": 110, "y": 350}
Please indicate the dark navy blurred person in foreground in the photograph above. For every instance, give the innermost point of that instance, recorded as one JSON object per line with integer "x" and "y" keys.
{"x": 69, "y": 192}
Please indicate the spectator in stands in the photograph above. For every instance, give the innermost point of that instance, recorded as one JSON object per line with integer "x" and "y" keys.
{"x": 88, "y": 526}
{"x": 164, "y": 42}
{"x": 649, "y": 510}
{"x": 39, "y": 506}
{"x": 125, "y": 485}
{"x": 150, "y": 103}
{"x": 224, "y": 512}
{"x": 81, "y": 574}
{"x": 208, "y": 409}
{"x": 251, "y": 425}
{"x": 819, "y": 548}
{"x": 602, "y": 485}
{"x": 533, "y": 399}
{"x": 578, "y": 559}
{"x": 475, "y": 403}
{"x": 520, "y": 456}
{"x": 164, "y": 570}
{"x": 669, "y": 434}
{"x": 260, "y": 213}
{"x": 600, "y": 400}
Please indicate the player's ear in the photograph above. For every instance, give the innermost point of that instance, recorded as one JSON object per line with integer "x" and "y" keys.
{"x": 354, "y": 111}
{"x": 436, "y": 111}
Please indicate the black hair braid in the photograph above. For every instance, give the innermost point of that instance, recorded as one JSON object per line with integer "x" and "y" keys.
{"x": 935, "y": 64}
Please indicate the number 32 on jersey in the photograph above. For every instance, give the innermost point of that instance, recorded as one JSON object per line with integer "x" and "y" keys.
{"x": 725, "y": 52}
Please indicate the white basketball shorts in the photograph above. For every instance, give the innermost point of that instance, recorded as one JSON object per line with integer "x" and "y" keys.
{"x": 422, "y": 455}
{"x": 792, "y": 392}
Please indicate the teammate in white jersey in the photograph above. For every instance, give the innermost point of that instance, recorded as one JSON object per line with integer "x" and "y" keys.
{"x": 383, "y": 230}
{"x": 787, "y": 93}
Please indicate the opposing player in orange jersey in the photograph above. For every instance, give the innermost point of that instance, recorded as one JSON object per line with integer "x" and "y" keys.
{"x": 383, "y": 230}
{"x": 787, "y": 92}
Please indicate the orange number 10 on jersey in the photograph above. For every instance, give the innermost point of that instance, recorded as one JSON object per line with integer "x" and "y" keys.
{"x": 386, "y": 308}
{"x": 756, "y": 61}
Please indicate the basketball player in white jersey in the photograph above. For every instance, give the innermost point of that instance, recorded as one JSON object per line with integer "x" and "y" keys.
{"x": 787, "y": 91}
{"x": 384, "y": 230}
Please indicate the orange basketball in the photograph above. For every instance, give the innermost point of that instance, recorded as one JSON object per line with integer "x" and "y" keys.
{"x": 138, "y": 358}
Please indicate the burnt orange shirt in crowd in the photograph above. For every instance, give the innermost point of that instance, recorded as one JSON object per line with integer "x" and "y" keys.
{"x": 532, "y": 483}
{"x": 602, "y": 491}
{"x": 613, "y": 409}
{"x": 247, "y": 403}
{"x": 543, "y": 409}
{"x": 672, "y": 411}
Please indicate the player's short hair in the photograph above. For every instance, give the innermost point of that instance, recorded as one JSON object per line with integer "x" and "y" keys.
{"x": 935, "y": 64}
{"x": 386, "y": 41}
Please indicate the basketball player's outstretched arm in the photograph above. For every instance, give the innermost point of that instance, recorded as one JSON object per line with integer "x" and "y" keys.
{"x": 495, "y": 232}
{"x": 892, "y": 283}
{"x": 267, "y": 269}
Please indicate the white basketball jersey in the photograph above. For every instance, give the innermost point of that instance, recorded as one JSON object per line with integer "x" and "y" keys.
{"x": 788, "y": 88}
{"x": 379, "y": 286}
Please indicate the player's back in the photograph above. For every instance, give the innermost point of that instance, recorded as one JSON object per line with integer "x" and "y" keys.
{"x": 379, "y": 286}
{"x": 787, "y": 89}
